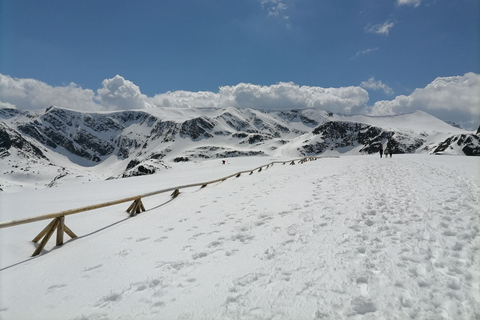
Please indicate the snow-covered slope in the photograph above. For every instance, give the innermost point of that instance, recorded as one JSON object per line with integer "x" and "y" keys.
{"x": 128, "y": 143}
{"x": 355, "y": 237}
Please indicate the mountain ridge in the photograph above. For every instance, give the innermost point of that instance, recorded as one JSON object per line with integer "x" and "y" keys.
{"x": 136, "y": 142}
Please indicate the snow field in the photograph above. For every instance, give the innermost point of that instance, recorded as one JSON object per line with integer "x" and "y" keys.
{"x": 350, "y": 238}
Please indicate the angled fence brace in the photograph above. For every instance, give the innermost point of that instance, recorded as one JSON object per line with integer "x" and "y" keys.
{"x": 175, "y": 193}
{"x": 58, "y": 224}
{"x": 136, "y": 207}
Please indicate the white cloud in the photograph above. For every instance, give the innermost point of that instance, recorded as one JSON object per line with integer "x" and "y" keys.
{"x": 34, "y": 94}
{"x": 364, "y": 52}
{"x": 448, "y": 98}
{"x": 187, "y": 99}
{"x": 119, "y": 93}
{"x": 274, "y": 7}
{"x": 414, "y": 3}
{"x": 382, "y": 28}
{"x": 284, "y": 95}
{"x": 376, "y": 85}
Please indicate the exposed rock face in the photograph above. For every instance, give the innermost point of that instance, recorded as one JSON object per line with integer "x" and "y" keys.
{"x": 11, "y": 139}
{"x": 468, "y": 143}
{"x": 196, "y": 129}
{"x": 369, "y": 139}
{"x": 144, "y": 168}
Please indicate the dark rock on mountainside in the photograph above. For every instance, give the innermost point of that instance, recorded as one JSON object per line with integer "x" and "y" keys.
{"x": 10, "y": 138}
{"x": 196, "y": 129}
{"x": 340, "y": 135}
{"x": 469, "y": 144}
{"x": 336, "y": 135}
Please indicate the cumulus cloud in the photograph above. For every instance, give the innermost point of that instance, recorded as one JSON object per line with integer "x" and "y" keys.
{"x": 448, "y": 98}
{"x": 187, "y": 99}
{"x": 34, "y": 94}
{"x": 382, "y": 28}
{"x": 414, "y": 3}
{"x": 284, "y": 95}
{"x": 119, "y": 93}
{"x": 376, "y": 85}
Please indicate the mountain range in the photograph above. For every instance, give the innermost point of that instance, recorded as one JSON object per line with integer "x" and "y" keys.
{"x": 42, "y": 148}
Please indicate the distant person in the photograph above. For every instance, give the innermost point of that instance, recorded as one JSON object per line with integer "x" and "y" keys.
{"x": 391, "y": 153}
{"x": 381, "y": 151}
{"x": 386, "y": 152}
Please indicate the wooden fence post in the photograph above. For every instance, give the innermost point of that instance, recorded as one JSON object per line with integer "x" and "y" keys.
{"x": 176, "y": 193}
{"x": 57, "y": 224}
{"x": 60, "y": 230}
{"x": 136, "y": 207}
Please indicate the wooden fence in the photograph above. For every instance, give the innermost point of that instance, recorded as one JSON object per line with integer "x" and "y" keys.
{"x": 58, "y": 222}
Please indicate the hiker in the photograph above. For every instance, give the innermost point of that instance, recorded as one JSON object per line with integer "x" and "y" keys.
{"x": 381, "y": 151}
{"x": 386, "y": 152}
{"x": 223, "y": 161}
{"x": 390, "y": 153}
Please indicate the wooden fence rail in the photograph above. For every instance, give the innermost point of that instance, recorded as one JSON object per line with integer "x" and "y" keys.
{"x": 58, "y": 222}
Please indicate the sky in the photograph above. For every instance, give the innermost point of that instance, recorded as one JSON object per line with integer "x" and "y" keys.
{"x": 365, "y": 56}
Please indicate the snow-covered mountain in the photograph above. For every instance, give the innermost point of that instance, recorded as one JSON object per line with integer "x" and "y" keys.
{"x": 62, "y": 144}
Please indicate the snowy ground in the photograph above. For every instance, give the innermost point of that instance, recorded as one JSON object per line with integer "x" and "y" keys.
{"x": 356, "y": 237}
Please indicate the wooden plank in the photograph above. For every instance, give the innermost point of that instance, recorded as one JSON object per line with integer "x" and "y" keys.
{"x": 60, "y": 230}
{"x": 46, "y": 238}
{"x": 69, "y": 232}
{"x": 138, "y": 207}
{"x": 131, "y": 207}
{"x": 43, "y": 232}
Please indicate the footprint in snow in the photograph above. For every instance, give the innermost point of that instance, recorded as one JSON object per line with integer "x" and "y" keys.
{"x": 124, "y": 253}
{"x": 360, "y": 306}
{"x": 55, "y": 287}
{"x": 93, "y": 268}
{"x": 161, "y": 239}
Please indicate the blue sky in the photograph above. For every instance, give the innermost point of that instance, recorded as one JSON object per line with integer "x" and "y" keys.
{"x": 387, "y": 47}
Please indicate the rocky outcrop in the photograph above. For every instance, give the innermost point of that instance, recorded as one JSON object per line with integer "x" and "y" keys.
{"x": 338, "y": 135}
{"x": 11, "y": 139}
{"x": 468, "y": 143}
